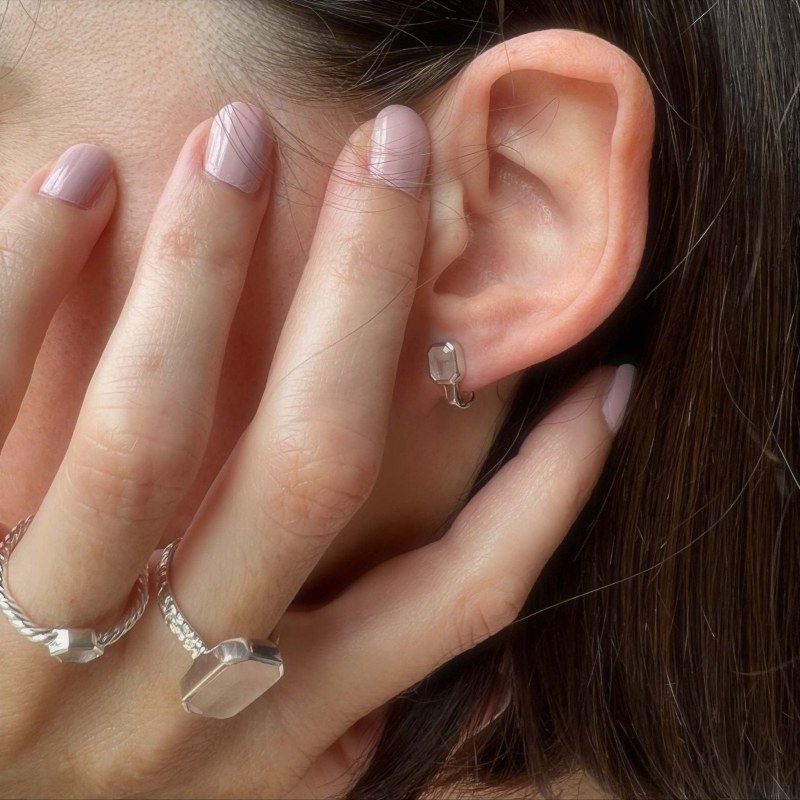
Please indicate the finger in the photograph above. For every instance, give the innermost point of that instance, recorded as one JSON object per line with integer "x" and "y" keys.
{"x": 144, "y": 424}
{"x": 341, "y": 765}
{"x": 47, "y": 230}
{"x": 410, "y": 615}
{"x": 311, "y": 455}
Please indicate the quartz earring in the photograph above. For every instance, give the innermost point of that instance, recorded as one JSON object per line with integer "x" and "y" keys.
{"x": 446, "y": 364}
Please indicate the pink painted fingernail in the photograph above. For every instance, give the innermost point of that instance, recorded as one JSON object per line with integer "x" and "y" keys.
{"x": 616, "y": 399}
{"x": 400, "y": 149}
{"x": 238, "y": 146}
{"x": 79, "y": 175}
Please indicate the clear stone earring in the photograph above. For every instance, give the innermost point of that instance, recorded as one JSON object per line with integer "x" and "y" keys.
{"x": 445, "y": 364}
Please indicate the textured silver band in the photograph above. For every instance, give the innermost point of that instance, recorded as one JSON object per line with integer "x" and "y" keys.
{"x": 35, "y": 633}
{"x": 178, "y": 624}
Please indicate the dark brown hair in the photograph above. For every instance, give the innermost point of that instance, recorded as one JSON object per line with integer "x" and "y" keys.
{"x": 659, "y": 649}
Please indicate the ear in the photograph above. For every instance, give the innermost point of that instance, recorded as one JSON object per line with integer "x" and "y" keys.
{"x": 540, "y": 168}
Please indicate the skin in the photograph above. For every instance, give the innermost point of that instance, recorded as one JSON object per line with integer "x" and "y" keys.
{"x": 366, "y": 550}
{"x": 82, "y": 95}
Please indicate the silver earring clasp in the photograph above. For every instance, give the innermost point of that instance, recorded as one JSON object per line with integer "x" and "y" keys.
{"x": 445, "y": 364}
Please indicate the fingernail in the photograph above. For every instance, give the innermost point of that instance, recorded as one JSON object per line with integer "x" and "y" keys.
{"x": 238, "y": 146}
{"x": 79, "y": 175}
{"x": 400, "y": 149}
{"x": 616, "y": 399}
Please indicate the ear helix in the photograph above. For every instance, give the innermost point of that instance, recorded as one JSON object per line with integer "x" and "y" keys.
{"x": 445, "y": 364}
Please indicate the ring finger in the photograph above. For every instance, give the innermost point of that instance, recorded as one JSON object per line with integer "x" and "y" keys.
{"x": 144, "y": 424}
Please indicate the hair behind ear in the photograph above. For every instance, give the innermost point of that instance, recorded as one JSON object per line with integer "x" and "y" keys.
{"x": 659, "y": 649}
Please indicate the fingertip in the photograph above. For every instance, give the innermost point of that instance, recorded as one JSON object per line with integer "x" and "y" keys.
{"x": 239, "y": 146}
{"x": 400, "y": 149}
{"x": 393, "y": 150}
{"x": 584, "y": 397}
{"x": 618, "y": 396}
{"x": 353, "y": 159}
{"x": 79, "y": 176}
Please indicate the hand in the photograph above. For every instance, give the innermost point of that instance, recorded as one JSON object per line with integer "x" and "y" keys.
{"x": 114, "y": 727}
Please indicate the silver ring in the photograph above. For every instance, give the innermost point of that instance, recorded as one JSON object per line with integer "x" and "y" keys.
{"x": 68, "y": 645}
{"x": 225, "y": 679}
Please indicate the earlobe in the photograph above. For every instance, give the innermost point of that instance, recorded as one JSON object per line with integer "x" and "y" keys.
{"x": 541, "y": 161}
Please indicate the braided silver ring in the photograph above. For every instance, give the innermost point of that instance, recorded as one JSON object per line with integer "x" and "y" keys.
{"x": 68, "y": 645}
{"x": 225, "y": 679}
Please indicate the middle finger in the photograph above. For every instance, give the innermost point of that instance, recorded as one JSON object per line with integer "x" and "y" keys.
{"x": 144, "y": 424}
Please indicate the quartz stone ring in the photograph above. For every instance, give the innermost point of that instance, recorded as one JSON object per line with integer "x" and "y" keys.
{"x": 225, "y": 679}
{"x": 68, "y": 645}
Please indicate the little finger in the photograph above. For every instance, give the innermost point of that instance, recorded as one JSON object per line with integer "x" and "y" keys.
{"x": 413, "y": 613}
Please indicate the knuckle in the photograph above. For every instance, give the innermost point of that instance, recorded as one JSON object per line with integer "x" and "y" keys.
{"x": 568, "y": 477}
{"x": 127, "y": 475}
{"x": 29, "y": 250}
{"x": 18, "y": 738}
{"x": 198, "y": 253}
{"x": 318, "y": 475}
{"x": 353, "y": 257}
{"x": 398, "y": 263}
{"x": 137, "y": 772}
{"x": 128, "y": 768}
{"x": 360, "y": 257}
{"x": 14, "y": 248}
{"x": 486, "y": 611}
{"x": 300, "y": 740}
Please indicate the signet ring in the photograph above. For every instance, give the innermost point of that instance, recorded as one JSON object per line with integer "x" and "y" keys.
{"x": 226, "y": 678}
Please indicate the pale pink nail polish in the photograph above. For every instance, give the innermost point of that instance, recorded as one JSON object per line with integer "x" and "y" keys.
{"x": 616, "y": 399}
{"x": 400, "y": 149}
{"x": 238, "y": 146}
{"x": 79, "y": 175}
